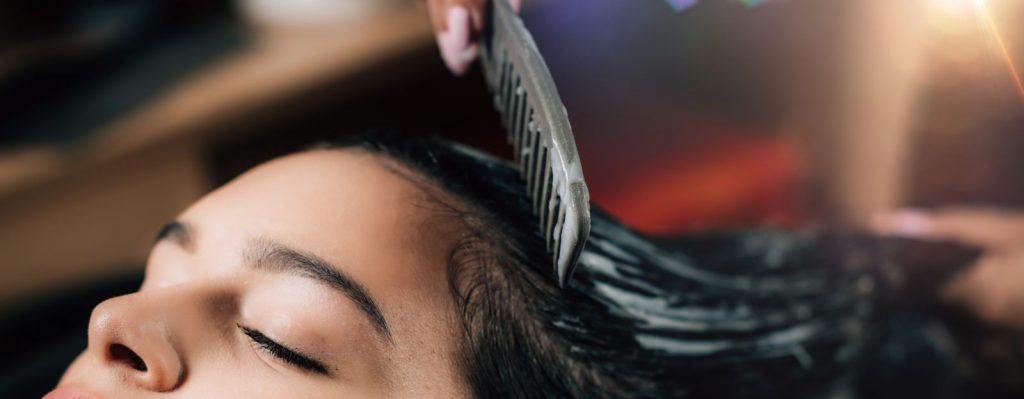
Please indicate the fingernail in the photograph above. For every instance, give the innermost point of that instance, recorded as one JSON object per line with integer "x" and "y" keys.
{"x": 454, "y": 41}
{"x": 468, "y": 55}
{"x": 907, "y": 222}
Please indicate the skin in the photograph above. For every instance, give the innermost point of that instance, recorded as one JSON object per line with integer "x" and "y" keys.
{"x": 349, "y": 209}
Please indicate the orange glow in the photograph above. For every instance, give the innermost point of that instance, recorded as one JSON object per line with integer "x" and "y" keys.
{"x": 983, "y": 7}
{"x": 729, "y": 182}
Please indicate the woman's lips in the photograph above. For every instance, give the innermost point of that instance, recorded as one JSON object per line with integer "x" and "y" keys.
{"x": 70, "y": 392}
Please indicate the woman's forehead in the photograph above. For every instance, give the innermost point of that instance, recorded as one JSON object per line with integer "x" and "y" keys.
{"x": 317, "y": 187}
{"x": 346, "y": 203}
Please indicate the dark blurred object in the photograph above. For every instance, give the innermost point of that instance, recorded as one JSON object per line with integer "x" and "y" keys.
{"x": 990, "y": 354}
{"x": 66, "y": 67}
{"x": 928, "y": 265}
{"x": 989, "y": 361}
{"x": 425, "y": 106}
{"x": 992, "y": 357}
{"x": 916, "y": 358}
{"x": 42, "y": 336}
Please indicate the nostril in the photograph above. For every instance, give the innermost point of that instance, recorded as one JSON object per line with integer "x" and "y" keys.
{"x": 123, "y": 354}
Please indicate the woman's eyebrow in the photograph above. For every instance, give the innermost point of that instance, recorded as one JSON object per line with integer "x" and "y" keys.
{"x": 178, "y": 232}
{"x": 266, "y": 254}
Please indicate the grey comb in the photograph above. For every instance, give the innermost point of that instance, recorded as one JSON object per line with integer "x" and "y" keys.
{"x": 539, "y": 132}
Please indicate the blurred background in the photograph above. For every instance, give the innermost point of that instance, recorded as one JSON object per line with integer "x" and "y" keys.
{"x": 115, "y": 115}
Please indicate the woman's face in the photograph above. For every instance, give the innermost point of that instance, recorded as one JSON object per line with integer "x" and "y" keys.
{"x": 318, "y": 275}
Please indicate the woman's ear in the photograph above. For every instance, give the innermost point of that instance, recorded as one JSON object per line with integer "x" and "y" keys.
{"x": 457, "y": 25}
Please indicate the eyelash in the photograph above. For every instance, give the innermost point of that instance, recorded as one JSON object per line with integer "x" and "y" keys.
{"x": 283, "y": 353}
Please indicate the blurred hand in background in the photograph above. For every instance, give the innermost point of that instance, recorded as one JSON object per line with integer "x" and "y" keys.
{"x": 993, "y": 287}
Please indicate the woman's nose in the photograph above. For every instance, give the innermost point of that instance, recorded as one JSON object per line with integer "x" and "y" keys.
{"x": 132, "y": 336}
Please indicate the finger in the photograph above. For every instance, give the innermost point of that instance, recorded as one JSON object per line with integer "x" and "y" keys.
{"x": 908, "y": 222}
{"x": 970, "y": 282}
{"x": 980, "y": 290}
{"x": 456, "y": 45}
{"x": 986, "y": 228}
{"x": 989, "y": 228}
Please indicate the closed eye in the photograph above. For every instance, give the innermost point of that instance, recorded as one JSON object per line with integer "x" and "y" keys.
{"x": 284, "y": 354}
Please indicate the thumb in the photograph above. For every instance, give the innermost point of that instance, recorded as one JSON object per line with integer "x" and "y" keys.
{"x": 455, "y": 42}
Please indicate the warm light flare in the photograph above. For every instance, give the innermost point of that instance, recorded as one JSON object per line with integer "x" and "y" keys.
{"x": 994, "y": 29}
{"x": 954, "y": 7}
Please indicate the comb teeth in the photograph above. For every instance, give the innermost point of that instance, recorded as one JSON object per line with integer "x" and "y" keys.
{"x": 539, "y": 132}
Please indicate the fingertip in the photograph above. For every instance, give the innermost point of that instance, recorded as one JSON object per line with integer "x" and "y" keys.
{"x": 456, "y": 49}
{"x": 459, "y": 61}
{"x": 907, "y": 222}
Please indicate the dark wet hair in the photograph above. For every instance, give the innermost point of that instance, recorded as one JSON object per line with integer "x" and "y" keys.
{"x": 754, "y": 314}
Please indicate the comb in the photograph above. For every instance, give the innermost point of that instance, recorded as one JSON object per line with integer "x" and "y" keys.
{"x": 538, "y": 130}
